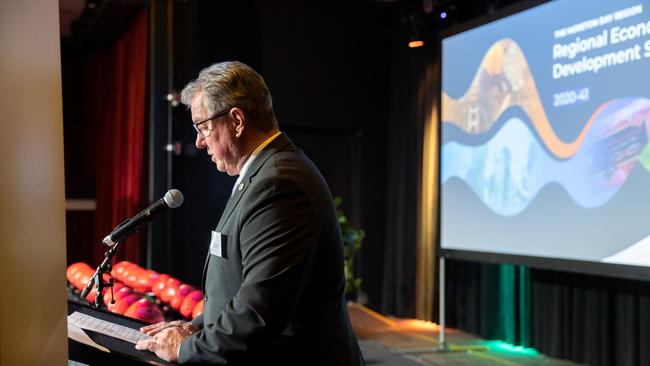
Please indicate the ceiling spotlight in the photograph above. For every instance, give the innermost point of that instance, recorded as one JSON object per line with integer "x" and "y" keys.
{"x": 416, "y": 31}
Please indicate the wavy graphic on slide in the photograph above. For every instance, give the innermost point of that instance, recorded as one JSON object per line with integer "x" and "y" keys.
{"x": 509, "y": 170}
{"x": 496, "y": 88}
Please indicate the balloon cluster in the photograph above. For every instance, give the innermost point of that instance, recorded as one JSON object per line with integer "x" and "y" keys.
{"x": 130, "y": 287}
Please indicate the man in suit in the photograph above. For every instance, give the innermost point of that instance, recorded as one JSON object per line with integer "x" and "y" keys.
{"x": 273, "y": 277}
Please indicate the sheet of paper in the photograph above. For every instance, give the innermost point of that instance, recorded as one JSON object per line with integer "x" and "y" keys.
{"x": 76, "y": 333}
{"x": 85, "y": 321}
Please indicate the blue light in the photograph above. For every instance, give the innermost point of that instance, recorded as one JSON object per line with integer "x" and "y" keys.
{"x": 443, "y": 15}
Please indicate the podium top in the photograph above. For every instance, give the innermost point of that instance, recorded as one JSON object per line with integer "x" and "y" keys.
{"x": 118, "y": 348}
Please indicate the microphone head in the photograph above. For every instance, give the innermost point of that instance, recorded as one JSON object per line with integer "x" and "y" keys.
{"x": 173, "y": 198}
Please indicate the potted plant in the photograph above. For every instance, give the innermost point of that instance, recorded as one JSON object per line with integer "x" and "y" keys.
{"x": 352, "y": 238}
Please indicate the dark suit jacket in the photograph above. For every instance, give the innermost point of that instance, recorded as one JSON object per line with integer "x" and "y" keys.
{"x": 275, "y": 295}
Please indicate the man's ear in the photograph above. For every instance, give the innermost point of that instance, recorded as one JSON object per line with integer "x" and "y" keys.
{"x": 238, "y": 121}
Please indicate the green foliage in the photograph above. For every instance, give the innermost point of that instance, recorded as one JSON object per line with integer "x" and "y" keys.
{"x": 352, "y": 238}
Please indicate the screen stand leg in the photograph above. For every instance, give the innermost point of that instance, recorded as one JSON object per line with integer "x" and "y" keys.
{"x": 442, "y": 345}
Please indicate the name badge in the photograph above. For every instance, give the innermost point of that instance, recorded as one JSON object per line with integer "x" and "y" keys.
{"x": 218, "y": 244}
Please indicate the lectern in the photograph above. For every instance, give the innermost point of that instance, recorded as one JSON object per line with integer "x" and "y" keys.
{"x": 119, "y": 352}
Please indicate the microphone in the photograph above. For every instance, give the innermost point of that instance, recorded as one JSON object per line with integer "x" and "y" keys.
{"x": 173, "y": 198}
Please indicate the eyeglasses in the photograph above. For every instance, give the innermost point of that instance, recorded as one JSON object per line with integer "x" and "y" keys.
{"x": 205, "y": 132}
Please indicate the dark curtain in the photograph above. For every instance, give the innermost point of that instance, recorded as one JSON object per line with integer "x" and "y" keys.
{"x": 414, "y": 80}
{"x": 117, "y": 80}
{"x": 79, "y": 149}
{"x": 80, "y": 237}
{"x": 588, "y": 319}
{"x": 591, "y": 319}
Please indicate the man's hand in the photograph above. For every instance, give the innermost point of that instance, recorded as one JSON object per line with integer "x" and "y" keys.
{"x": 153, "y": 329}
{"x": 166, "y": 338}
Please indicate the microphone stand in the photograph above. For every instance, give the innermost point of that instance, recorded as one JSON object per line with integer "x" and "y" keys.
{"x": 98, "y": 279}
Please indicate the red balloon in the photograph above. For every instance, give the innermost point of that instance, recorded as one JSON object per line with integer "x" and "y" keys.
{"x": 144, "y": 309}
{"x": 75, "y": 268}
{"x": 142, "y": 302}
{"x": 118, "y": 269}
{"x": 159, "y": 285}
{"x": 82, "y": 276}
{"x": 128, "y": 267}
{"x": 83, "y": 279}
{"x": 190, "y": 302}
{"x": 146, "y": 279}
{"x": 198, "y": 309}
{"x": 123, "y": 292}
{"x": 183, "y": 291}
{"x": 70, "y": 271}
{"x": 130, "y": 275}
{"x": 174, "y": 281}
{"x": 117, "y": 285}
{"x": 123, "y": 304}
{"x": 150, "y": 314}
{"x": 105, "y": 276}
{"x": 170, "y": 291}
{"x": 92, "y": 295}
{"x": 76, "y": 277}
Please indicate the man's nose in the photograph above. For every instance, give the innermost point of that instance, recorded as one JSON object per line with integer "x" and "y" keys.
{"x": 200, "y": 141}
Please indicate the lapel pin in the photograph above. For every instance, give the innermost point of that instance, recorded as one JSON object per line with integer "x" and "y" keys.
{"x": 240, "y": 187}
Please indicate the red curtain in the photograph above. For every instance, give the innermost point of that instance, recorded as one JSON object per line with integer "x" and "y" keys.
{"x": 118, "y": 79}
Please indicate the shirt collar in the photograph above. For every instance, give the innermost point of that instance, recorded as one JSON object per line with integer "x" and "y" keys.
{"x": 252, "y": 157}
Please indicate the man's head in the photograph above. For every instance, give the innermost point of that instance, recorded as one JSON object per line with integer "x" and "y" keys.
{"x": 234, "y": 108}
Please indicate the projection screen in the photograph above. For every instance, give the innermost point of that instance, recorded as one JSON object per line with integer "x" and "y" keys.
{"x": 544, "y": 154}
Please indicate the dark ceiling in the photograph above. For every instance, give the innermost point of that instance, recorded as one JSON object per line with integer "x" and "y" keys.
{"x": 100, "y": 22}
{"x": 97, "y": 23}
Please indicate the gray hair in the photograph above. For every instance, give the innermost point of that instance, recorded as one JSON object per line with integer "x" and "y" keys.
{"x": 233, "y": 84}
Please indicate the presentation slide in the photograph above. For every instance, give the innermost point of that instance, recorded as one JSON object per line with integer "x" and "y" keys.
{"x": 544, "y": 134}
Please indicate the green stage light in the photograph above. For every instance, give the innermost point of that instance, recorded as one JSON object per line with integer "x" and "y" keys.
{"x": 501, "y": 346}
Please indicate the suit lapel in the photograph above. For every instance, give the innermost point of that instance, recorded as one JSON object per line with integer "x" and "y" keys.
{"x": 278, "y": 144}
